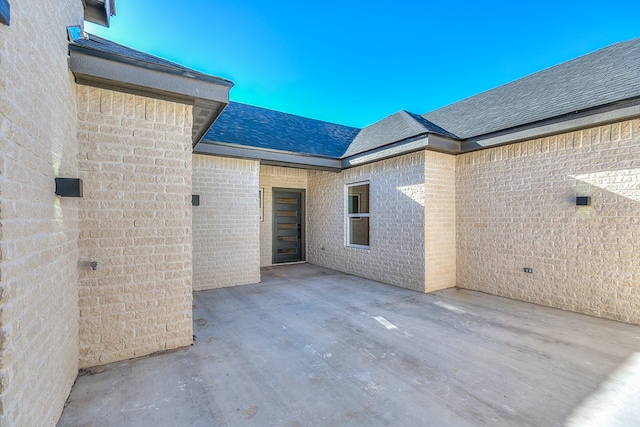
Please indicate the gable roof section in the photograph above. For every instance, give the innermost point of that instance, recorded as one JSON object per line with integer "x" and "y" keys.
{"x": 258, "y": 133}
{"x": 606, "y": 76}
{"x": 397, "y": 127}
{"x": 600, "y": 87}
{"x": 100, "y": 62}
{"x": 261, "y": 128}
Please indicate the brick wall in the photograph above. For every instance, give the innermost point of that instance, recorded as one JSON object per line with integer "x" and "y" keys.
{"x": 275, "y": 177}
{"x": 135, "y": 222}
{"x": 226, "y": 230}
{"x": 516, "y": 208}
{"x": 397, "y": 235}
{"x": 38, "y": 231}
{"x": 440, "y": 221}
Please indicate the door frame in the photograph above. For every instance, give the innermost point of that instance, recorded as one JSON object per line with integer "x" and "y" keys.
{"x": 303, "y": 240}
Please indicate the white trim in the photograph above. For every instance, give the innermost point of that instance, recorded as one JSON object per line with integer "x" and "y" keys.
{"x": 348, "y": 216}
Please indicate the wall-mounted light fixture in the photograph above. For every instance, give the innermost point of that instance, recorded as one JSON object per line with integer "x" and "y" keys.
{"x": 583, "y": 201}
{"x": 69, "y": 187}
{"x": 195, "y": 200}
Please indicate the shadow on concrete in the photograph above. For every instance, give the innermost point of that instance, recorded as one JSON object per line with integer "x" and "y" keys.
{"x": 310, "y": 346}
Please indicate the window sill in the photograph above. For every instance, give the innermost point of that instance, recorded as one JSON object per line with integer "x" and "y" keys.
{"x": 361, "y": 247}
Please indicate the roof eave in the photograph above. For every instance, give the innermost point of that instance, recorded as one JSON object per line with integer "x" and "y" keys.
{"x": 269, "y": 157}
{"x": 425, "y": 141}
{"x": 207, "y": 94}
{"x": 591, "y": 117}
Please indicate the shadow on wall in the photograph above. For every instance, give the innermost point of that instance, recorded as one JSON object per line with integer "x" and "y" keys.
{"x": 415, "y": 192}
{"x": 623, "y": 182}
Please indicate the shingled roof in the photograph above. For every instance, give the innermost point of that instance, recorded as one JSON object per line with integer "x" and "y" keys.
{"x": 104, "y": 48}
{"x": 574, "y": 94}
{"x": 400, "y": 126}
{"x": 603, "y": 77}
{"x": 251, "y": 126}
{"x": 100, "y": 62}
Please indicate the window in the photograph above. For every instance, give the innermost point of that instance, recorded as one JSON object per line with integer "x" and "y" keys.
{"x": 358, "y": 214}
{"x": 261, "y": 201}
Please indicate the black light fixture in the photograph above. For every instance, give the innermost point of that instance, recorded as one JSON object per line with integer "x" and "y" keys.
{"x": 583, "y": 201}
{"x": 195, "y": 200}
{"x": 69, "y": 187}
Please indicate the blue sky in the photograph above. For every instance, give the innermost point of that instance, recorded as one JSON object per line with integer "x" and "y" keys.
{"x": 355, "y": 62}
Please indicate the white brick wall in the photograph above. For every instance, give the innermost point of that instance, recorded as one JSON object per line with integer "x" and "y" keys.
{"x": 275, "y": 177}
{"x": 516, "y": 208}
{"x": 135, "y": 221}
{"x": 397, "y": 232}
{"x": 226, "y": 230}
{"x": 440, "y": 221}
{"x": 38, "y": 231}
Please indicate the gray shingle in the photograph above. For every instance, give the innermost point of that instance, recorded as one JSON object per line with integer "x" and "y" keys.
{"x": 394, "y": 128}
{"x": 605, "y": 76}
{"x": 251, "y": 126}
{"x": 103, "y": 47}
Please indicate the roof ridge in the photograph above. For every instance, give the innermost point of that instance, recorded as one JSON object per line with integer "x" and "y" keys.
{"x": 637, "y": 39}
{"x": 607, "y": 75}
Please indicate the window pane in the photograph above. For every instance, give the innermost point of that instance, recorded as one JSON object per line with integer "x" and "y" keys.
{"x": 358, "y": 198}
{"x": 283, "y": 201}
{"x": 354, "y": 203}
{"x": 287, "y": 226}
{"x": 287, "y": 251}
{"x": 359, "y": 231}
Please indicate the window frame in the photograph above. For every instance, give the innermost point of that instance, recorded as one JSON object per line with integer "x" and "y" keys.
{"x": 356, "y": 216}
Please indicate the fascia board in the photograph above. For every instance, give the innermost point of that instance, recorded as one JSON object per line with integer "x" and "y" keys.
{"x": 623, "y": 110}
{"x": 107, "y": 71}
{"x": 432, "y": 142}
{"x": 271, "y": 157}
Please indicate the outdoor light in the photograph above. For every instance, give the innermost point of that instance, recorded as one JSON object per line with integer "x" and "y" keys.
{"x": 69, "y": 187}
{"x": 195, "y": 200}
{"x": 583, "y": 201}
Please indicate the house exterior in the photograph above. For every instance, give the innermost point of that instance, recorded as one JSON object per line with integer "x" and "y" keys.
{"x": 468, "y": 195}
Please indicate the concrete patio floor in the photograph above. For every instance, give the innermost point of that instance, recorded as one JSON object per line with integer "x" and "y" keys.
{"x": 314, "y": 347}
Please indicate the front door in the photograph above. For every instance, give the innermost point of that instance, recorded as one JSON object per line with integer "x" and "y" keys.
{"x": 287, "y": 226}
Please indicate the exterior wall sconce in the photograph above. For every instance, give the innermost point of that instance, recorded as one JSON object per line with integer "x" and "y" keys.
{"x": 195, "y": 200}
{"x": 583, "y": 201}
{"x": 69, "y": 187}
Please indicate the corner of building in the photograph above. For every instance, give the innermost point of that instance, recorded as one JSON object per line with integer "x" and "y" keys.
{"x": 226, "y": 225}
{"x": 439, "y": 221}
